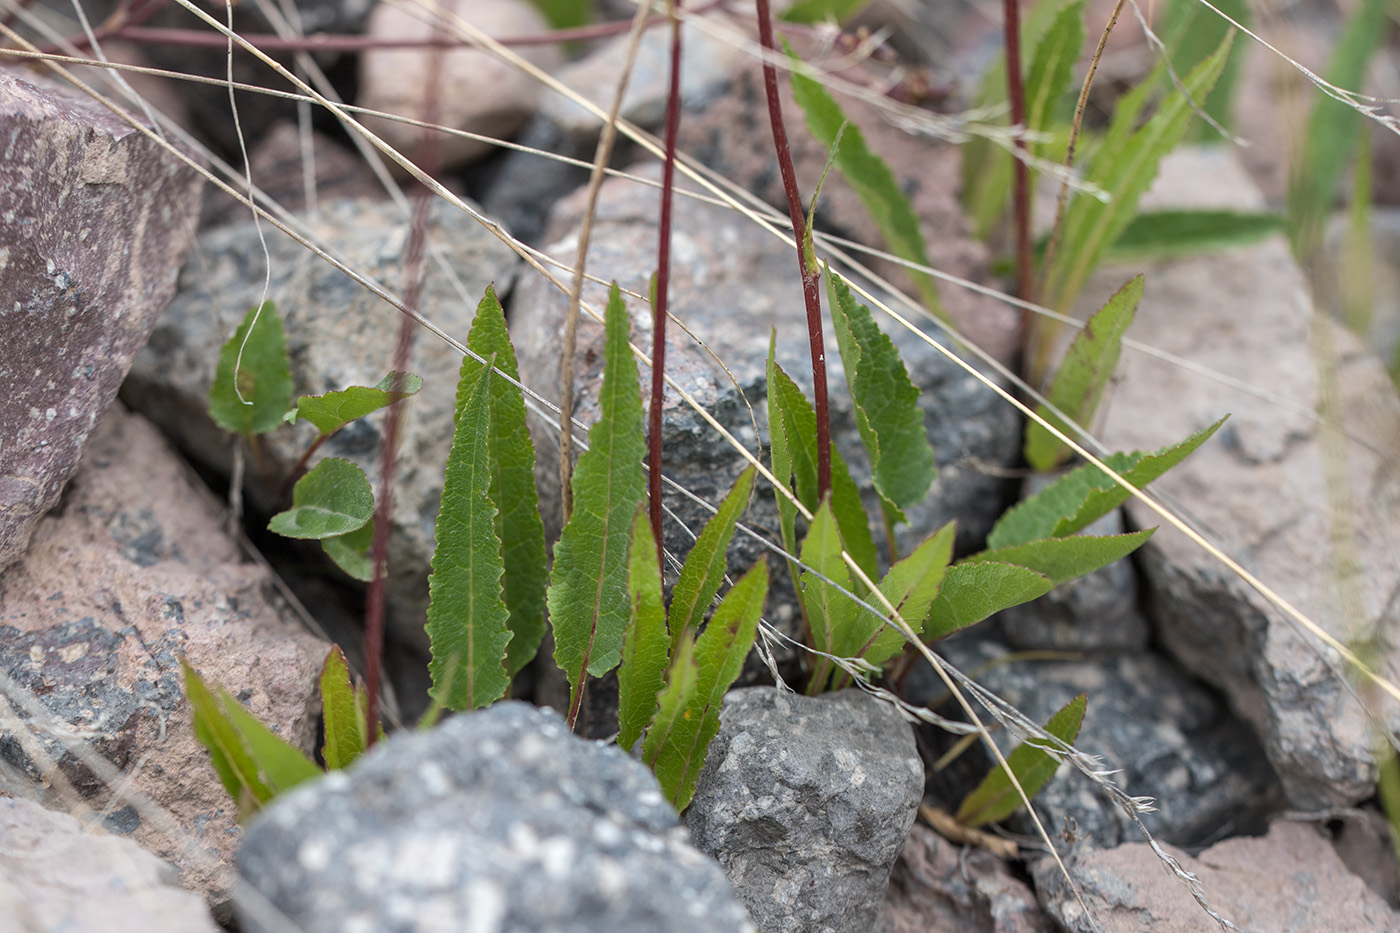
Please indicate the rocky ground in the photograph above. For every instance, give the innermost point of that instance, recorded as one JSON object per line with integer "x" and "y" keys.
{"x": 117, "y": 555}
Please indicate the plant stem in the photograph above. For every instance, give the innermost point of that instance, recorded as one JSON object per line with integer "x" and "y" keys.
{"x": 660, "y": 300}
{"x": 811, "y": 293}
{"x": 1021, "y": 192}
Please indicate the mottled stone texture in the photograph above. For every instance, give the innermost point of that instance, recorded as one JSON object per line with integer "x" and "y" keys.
{"x": 95, "y": 219}
{"x": 131, "y": 573}
{"x": 55, "y": 874}
{"x": 806, "y": 802}
{"x": 496, "y": 820}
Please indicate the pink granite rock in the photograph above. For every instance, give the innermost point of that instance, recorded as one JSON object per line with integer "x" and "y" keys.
{"x": 95, "y": 219}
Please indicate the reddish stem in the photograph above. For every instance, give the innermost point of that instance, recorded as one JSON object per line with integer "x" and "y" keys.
{"x": 1021, "y": 192}
{"x": 811, "y": 294}
{"x": 413, "y": 288}
{"x": 660, "y": 300}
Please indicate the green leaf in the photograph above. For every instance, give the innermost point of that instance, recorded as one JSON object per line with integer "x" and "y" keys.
{"x": 345, "y": 740}
{"x": 1124, "y": 167}
{"x": 350, "y": 551}
{"x": 799, "y": 423}
{"x": 334, "y": 410}
{"x": 1331, "y": 136}
{"x": 333, "y": 499}
{"x": 822, "y": 11}
{"x": 264, "y": 375}
{"x": 1063, "y": 559}
{"x": 645, "y": 646}
{"x": 887, "y": 404}
{"x": 1191, "y": 32}
{"x": 566, "y": 14}
{"x": 512, "y": 460}
{"x": 1052, "y": 69}
{"x": 704, "y": 568}
{"x": 973, "y": 591}
{"x": 588, "y": 602}
{"x": 253, "y": 763}
{"x": 829, "y": 611}
{"x": 466, "y": 614}
{"x": 779, "y": 453}
{"x": 1164, "y": 234}
{"x": 679, "y": 756}
{"x": 869, "y": 176}
{"x": 911, "y": 587}
{"x": 673, "y": 705}
{"x": 1079, "y": 383}
{"x": 230, "y": 756}
{"x": 996, "y": 797}
{"x": 1087, "y": 494}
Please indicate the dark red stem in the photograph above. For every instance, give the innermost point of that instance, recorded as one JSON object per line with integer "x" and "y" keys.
{"x": 811, "y": 293}
{"x": 660, "y": 301}
{"x": 1021, "y": 191}
{"x": 413, "y": 289}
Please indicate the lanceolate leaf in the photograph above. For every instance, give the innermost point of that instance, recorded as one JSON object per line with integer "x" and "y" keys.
{"x": 588, "y": 603}
{"x": 973, "y": 591}
{"x": 911, "y": 587}
{"x": 1083, "y": 375}
{"x": 996, "y": 797}
{"x": 1162, "y": 234}
{"x": 512, "y": 457}
{"x": 334, "y": 410}
{"x": 333, "y": 499}
{"x": 779, "y": 452}
{"x": 821, "y": 11}
{"x": 800, "y": 430}
{"x": 869, "y": 176}
{"x": 1052, "y": 70}
{"x": 646, "y": 646}
{"x": 281, "y": 764}
{"x": 1086, "y": 494}
{"x": 672, "y": 707}
{"x": 705, "y": 565}
{"x": 829, "y": 611}
{"x": 340, "y": 711}
{"x": 1063, "y": 559}
{"x": 886, "y": 402}
{"x": 264, "y": 376}
{"x": 1124, "y": 167}
{"x": 466, "y": 615}
{"x": 719, "y": 655}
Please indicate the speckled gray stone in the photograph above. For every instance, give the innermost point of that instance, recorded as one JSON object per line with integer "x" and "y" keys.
{"x": 498, "y": 820}
{"x": 806, "y": 803}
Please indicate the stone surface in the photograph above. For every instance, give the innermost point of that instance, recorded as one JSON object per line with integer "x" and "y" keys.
{"x": 1259, "y": 489}
{"x": 132, "y": 572}
{"x": 1097, "y": 612}
{"x": 495, "y": 820}
{"x": 94, "y": 222}
{"x": 733, "y": 136}
{"x": 1165, "y": 736}
{"x": 1286, "y": 882}
{"x": 805, "y": 803}
{"x": 938, "y": 885}
{"x": 706, "y": 62}
{"x": 338, "y": 335}
{"x": 730, "y": 285}
{"x": 477, "y": 92}
{"x": 57, "y": 875}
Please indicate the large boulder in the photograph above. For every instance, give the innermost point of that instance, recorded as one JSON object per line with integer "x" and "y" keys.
{"x": 496, "y": 820}
{"x": 95, "y": 219}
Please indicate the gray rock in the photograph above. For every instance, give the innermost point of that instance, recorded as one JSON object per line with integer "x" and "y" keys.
{"x": 338, "y": 335}
{"x": 1165, "y": 736}
{"x": 1259, "y": 490}
{"x": 706, "y": 63}
{"x": 939, "y": 885}
{"x": 496, "y": 820}
{"x": 95, "y": 219}
{"x": 131, "y": 574}
{"x": 1289, "y": 881}
{"x": 732, "y": 283}
{"x": 1097, "y": 612}
{"x": 806, "y": 802}
{"x": 57, "y": 875}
